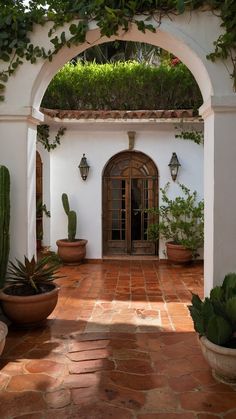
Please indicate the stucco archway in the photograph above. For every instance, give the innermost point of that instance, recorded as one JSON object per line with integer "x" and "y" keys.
{"x": 190, "y": 38}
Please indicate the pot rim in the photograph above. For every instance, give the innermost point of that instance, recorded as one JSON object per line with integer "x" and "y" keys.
{"x": 217, "y": 348}
{"x": 173, "y": 244}
{"x": 75, "y": 243}
{"x": 28, "y": 298}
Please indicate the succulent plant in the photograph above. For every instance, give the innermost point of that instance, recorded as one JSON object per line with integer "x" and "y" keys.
{"x": 215, "y": 316}
{"x": 72, "y": 217}
{"x": 33, "y": 274}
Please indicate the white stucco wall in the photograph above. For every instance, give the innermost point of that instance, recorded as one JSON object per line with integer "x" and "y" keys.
{"x": 100, "y": 143}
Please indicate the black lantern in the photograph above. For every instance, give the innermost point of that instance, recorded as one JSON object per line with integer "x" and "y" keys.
{"x": 84, "y": 167}
{"x": 174, "y": 166}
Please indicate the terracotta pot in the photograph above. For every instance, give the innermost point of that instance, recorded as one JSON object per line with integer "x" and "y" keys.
{"x": 72, "y": 253}
{"x": 31, "y": 309}
{"x": 3, "y": 334}
{"x": 222, "y": 361}
{"x": 177, "y": 253}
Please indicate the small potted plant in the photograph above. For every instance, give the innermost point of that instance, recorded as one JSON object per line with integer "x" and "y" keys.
{"x": 30, "y": 294}
{"x": 214, "y": 320}
{"x": 71, "y": 250}
{"x": 180, "y": 221}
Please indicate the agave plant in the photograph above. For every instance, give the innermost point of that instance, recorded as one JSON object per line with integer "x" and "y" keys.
{"x": 215, "y": 317}
{"x": 33, "y": 274}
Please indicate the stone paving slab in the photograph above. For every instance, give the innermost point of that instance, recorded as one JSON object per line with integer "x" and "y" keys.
{"x": 120, "y": 344}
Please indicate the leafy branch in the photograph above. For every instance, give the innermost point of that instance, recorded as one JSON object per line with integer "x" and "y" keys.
{"x": 43, "y": 137}
{"x": 192, "y": 135}
{"x": 17, "y": 21}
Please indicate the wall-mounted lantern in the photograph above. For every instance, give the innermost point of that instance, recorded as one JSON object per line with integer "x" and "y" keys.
{"x": 84, "y": 167}
{"x": 174, "y": 166}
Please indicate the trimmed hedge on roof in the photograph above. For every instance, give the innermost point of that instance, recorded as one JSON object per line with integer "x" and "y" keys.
{"x": 122, "y": 86}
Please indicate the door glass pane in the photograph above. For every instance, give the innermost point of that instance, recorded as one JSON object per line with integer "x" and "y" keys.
{"x": 136, "y": 208}
{"x": 118, "y": 223}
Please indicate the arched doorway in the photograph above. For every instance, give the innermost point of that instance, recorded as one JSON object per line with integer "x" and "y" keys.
{"x": 130, "y": 186}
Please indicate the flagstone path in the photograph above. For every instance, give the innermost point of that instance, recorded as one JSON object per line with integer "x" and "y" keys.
{"x": 120, "y": 344}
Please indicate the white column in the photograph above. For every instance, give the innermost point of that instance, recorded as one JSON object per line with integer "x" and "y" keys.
{"x": 219, "y": 189}
{"x": 18, "y": 153}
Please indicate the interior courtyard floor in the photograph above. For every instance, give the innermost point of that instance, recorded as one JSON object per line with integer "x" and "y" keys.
{"x": 120, "y": 344}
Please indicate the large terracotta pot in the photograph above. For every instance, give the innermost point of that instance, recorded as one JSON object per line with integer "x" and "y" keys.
{"x": 3, "y": 334}
{"x": 72, "y": 253}
{"x": 222, "y": 360}
{"x": 177, "y": 253}
{"x": 31, "y": 309}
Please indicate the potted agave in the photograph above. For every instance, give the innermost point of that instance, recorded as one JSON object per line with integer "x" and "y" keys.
{"x": 71, "y": 250}
{"x": 180, "y": 222}
{"x": 215, "y": 321}
{"x": 30, "y": 294}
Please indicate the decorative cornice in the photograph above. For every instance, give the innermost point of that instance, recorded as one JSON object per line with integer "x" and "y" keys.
{"x": 118, "y": 114}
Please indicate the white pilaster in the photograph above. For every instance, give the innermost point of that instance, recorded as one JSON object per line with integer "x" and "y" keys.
{"x": 17, "y": 152}
{"x": 219, "y": 189}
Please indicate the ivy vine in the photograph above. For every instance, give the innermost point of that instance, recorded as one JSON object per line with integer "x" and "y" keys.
{"x": 191, "y": 135}
{"x": 43, "y": 137}
{"x": 17, "y": 21}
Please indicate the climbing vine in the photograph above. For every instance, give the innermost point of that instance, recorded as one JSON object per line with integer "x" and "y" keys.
{"x": 192, "y": 135}
{"x": 17, "y": 20}
{"x": 43, "y": 136}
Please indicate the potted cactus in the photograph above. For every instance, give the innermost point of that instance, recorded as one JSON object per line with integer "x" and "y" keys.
{"x": 4, "y": 222}
{"x": 71, "y": 250}
{"x": 214, "y": 320}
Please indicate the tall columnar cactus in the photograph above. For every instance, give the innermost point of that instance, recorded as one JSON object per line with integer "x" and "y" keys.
{"x": 4, "y": 221}
{"x": 72, "y": 218}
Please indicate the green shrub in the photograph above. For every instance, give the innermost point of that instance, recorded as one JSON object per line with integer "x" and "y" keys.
{"x": 124, "y": 86}
{"x": 179, "y": 220}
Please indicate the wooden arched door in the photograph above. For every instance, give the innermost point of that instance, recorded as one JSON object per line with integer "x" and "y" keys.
{"x": 130, "y": 186}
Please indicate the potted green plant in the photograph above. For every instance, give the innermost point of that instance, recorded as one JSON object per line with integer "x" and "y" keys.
{"x": 71, "y": 250}
{"x": 214, "y": 320}
{"x": 179, "y": 221}
{"x": 30, "y": 294}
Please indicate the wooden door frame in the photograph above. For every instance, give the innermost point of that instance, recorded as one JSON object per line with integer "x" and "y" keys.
{"x": 116, "y": 159}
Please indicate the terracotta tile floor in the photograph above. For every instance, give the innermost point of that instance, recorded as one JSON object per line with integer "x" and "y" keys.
{"x": 120, "y": 344}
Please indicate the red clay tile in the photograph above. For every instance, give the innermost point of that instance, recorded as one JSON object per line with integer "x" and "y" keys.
{"x": 15, "y": 403}
{"x": 166, "y": 415}
{"x": 136, "y": 381}
{"x": 81, "y": 380}
{"x": 103, "y": 411}
{"x": 208, "y": 401}
{"x": 161, "y": 399}
{"x": 185, "y": 383}
{"x": 89, "y": 354}
{"x": 124, "y": 397}
{"x": 58, "y": 399}
{"x": 49, "y": 367}
{"x": 231, "y": 415}
{"x": 91, "y": 366}
{"x": 37, "y": 382}
{"x": 136, "y": 366}
{"x": 87, "y": 345}
{"x": 112, "y": 360}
